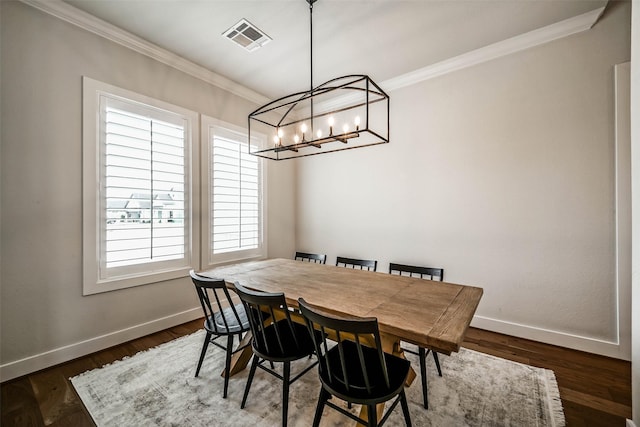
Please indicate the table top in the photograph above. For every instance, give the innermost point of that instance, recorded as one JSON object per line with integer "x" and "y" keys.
{"x": 431, "y": 314}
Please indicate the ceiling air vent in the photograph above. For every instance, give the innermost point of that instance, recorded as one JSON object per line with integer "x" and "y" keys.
{"x": 247, "y": 35}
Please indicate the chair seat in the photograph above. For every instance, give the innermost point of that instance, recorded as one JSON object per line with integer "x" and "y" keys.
{"x": 232, "y": 321}
{"x": 397, "y": 368}
{"x": 292, "y": 351}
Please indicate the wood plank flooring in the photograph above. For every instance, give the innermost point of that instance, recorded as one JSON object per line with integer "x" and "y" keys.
{"x": 595, "y": 390}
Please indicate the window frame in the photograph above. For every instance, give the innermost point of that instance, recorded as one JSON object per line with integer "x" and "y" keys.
{"x": 209, "y": 260}
{"x": 93, "y": 144}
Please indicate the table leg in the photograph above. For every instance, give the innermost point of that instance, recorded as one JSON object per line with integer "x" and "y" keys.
{"x": 391, "y": 344}
{"x": 240, "y": 359}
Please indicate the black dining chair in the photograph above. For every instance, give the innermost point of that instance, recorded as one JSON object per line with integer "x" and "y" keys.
{"x": 353, "y": 367}
{"x": 429, "y": 273}
{"x": 222, "y": 317}
{"x": 309, "y": 257}
{"x": 362, "y": 264}
{"x": 276, "y": 338}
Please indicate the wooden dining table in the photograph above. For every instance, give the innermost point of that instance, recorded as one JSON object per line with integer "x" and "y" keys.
{"x": 430, "y": 314}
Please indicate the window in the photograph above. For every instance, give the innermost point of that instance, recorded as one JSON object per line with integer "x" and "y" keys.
{"x": 235, "y": 220}
{"x": 137, "y": 196}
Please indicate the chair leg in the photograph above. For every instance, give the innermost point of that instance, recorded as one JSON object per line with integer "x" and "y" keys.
{"x": 322, "y": 399}
{"x": 435, "y": 359}
{"x": 423, "y": 373}
{"x": 252, "y": 371}
{"x": 405, "y": 408}
{"x": 372, "y": 415}
{"x": 205, "y": 344}
{"x": 286, "y": 372}
{"x": 227, "y": 365}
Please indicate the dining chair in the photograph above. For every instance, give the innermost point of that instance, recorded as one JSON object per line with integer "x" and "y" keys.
{"x": 429, "y": 273}
{"x": 362, "y": 264}
{"x": 276, "y": 338}
{"x": 309, "y": 257}
{"x": 353, "y": 367}
{"x": 222, "y": 317}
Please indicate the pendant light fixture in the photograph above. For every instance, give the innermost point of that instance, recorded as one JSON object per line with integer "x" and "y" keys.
{"x": 343, "y": 113}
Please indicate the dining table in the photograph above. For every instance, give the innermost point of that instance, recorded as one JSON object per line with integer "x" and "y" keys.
{"x": 430, "y": 314}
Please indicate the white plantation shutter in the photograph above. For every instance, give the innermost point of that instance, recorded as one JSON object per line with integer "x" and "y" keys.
{"x": 236, "y": 196}
{"x": 144, "y": 176}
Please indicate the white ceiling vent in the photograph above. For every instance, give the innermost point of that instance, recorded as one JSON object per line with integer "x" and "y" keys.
{"x": 247, "y": 35}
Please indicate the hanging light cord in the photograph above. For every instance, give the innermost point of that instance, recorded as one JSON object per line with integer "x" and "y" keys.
{"x": 311, "y": 58}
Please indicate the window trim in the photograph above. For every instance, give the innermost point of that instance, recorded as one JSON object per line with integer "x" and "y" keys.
{"x": 209, "y": 260}
{"x": 91, "y": 143}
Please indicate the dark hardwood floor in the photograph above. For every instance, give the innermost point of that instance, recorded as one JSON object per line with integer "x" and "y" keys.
{"x": 595, "y": 390}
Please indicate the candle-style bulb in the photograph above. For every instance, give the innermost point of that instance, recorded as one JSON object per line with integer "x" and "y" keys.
{"x": 296, "y": 138}
{"x": 303, "y": 127}
{"x": 345, "y": 128}
{"x": 280, "y": 133}
{"x": 356, "y": 121}
{"x": 319, "y": 133}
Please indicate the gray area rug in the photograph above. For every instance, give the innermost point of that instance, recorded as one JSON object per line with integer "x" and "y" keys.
{"x": 157, "y": 388}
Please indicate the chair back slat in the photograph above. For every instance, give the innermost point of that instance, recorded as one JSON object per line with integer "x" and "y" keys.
{"x": 310, "y": 257}
{"x": 430, "y": 273}
{"x": 363, "y": 364}
{"x": 257, "y": 319}
{"x": 362, "y": 264}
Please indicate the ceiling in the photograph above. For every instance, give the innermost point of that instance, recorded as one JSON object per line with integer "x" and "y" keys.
{"x": 381, "y": 38}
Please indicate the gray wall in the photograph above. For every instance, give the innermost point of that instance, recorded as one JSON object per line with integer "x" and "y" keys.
{"x": 44, "y": 316}
{"x": 503, "y": 174}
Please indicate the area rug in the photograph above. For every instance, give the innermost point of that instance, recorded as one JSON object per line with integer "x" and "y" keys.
{"x": 157, "y": 388}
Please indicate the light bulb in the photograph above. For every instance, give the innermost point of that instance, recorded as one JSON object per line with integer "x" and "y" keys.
{"x": 296, "y": 138}
{"x": 345, "y": 128}
{"x": 280, "y": 133}
{"x": 356, "y": 121}
{"x": 319, "y": 133}
{"x": 331, "y": 121}
{"x": 303, "y": 127}
{"x": 276, "y": 139}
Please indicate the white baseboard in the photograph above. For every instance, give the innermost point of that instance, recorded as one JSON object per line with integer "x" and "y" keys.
{"x": 576, "y": 342}
{"x": 44, "y": 360}
{"x": 630, "y": 423}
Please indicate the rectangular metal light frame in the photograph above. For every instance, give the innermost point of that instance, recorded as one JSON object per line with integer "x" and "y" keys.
{"x": 342, "y": 99}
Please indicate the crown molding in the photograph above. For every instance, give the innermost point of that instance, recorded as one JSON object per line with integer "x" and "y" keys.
{"x": 524, "y": 41}
{"x": 88, "y": 22}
